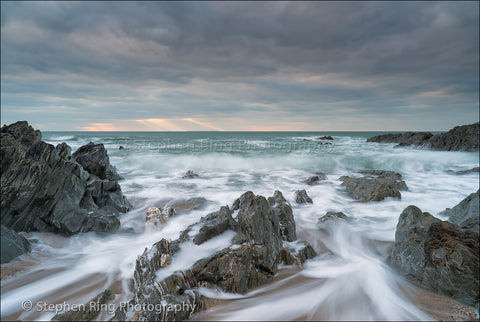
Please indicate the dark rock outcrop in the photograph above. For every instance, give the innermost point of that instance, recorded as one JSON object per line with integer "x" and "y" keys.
{"x": 302, "y": 197}
{"x": 64, "y": 151}
{"x": 326, "y": 137}
{"x": 44, "y": 189}
{"x": 466, "y": 214}
{"x": 13, "y": 245}
{"x": 314, "y": 179}
{"x": 408, "y": 254}
{"x": 94, "y": 158}
{"x": 438, "y": 255}
{"x": 460, "y": 138}
{"x": 452, "y": 262}
{"x": 375, "y": 186}
{"x": 265, "y": 237}
{"x": 332, "y": 216}
{"x": 190, "y": 175}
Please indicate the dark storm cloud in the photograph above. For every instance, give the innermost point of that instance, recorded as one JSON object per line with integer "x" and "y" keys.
{"x": 175, "y": 59}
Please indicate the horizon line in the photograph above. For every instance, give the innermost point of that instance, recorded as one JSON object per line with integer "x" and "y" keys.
{"x": 245, "y": 131}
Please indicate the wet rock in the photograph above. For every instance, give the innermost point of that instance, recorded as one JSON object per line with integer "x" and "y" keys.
{"x": 94, "y": 159}
{"x": 296, "y": 253}
{"x": 408, "y": 254}
{"x": 282, "y": 209}
{"x": 314, "y": 179}
{"x": 13, "y": 245}
{"x": 383, "y": 174}
{"x": 332, "y": 216}
{"x": 375, "y": 186}
{"x": 43, "y": 190}
{"x": 64, "y": 151}
{"x": 190, "y": 175}
{"x": 327, "y": 137}
{"x": 404, "y": 139}
{"x": 438, "y": 255}
{"x": 461, "y": 172}
{"x": 385, "y": 138}
{"x": 262, "y": 227}
{"x": 214, "y": 224}
{"x": 157, "y": 216}
{"x": 466, "y": 214}
{"x": 181, "y": 205}
{"x": 460, "y": 138}
{"x": 452, "y": 262}
{"x": 121, "y": 147}
{"x": 87, "y": 311}
{"x": 302, "y": 197}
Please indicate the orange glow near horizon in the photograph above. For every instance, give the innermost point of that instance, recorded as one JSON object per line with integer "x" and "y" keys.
{"x": 203, "y": 124}
{"x": 188, "y": 124}
{"x": 99, "y": 127}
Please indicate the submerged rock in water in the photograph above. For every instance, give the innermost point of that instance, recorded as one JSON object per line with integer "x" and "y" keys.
{"x": 302, "y": 197}
{"x": 187, "y": 204}
{"x": 375, "y": 186}
{"x": 43, "y": 189}
{"x": 190, "y": 175}
{"x": 157, "y": 216}
{"x": 265, "y": 237}
{"x": 460, "y": 138}
{"x": 332, "y": 216}
{"x": 13, "y": 245}
{"x": 438, "y": 255}
{"x": 326, "y": 137}
{"x": 314, "y": 179}
{"x": 461, "y": 172}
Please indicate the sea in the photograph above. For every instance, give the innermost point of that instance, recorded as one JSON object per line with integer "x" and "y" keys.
{"x": 349, "y": 279}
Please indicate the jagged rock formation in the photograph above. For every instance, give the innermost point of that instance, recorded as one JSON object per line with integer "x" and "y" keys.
{"x": 376, "y": 185}
{"x": 467, "y": 213}
{"x": 301, "y": 196}
{"x": 265, "y": 236}
{"x": 44, "y": 188}
{"x": 460, "y": 138}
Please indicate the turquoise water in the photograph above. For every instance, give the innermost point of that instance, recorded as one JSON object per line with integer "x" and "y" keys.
{"x": 228, "y": 164}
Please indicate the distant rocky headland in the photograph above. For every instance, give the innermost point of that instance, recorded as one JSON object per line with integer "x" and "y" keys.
{"x": 460, "y": 138}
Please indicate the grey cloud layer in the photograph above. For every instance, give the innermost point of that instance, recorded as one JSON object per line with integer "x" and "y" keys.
{"x": 306, "y": 57}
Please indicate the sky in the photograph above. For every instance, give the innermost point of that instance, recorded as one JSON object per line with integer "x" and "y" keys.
{"x": 240, "y": 66}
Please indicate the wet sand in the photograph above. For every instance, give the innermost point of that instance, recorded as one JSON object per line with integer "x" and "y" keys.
{"x": 288, "y": 282}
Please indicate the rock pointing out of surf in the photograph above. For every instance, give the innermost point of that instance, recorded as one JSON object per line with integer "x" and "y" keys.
{"x": 264, "y": 237}
{"x": 47, "y": 189}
